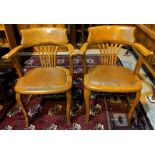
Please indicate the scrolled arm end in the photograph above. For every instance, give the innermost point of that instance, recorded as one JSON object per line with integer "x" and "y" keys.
{"x": 83, "y": 49}
{"x": 12, "y": 53}
{"x": 142, "y": 50}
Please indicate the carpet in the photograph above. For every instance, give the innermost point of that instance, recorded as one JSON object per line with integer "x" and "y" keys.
{"x": 47, "y": 112}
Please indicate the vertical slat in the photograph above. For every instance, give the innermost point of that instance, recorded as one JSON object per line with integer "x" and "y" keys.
{"x": 48, "y": 55}
{"x": 114, "y": 54}
{"x": 55, "y": 54}
{"x": 101, "y": 52}
{"x": 111, "y": 54}
{"x": 52, "y": 51}
{"x": 107, "y": 48}
{"x": 38, "y": 51}
{"x": 43, "y": 55}
{"x": 117, "y": 51}
{"x": 104, "y": 54}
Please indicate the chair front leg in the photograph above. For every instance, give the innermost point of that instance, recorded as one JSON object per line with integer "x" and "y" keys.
{"x": 18, "y": 99}
{"x": 69, "y": 101}
{"x": 87, "y": 98}
{"x": 133, "y": 106}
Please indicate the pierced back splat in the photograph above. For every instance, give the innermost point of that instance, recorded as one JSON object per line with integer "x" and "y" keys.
{"x": 47, "y": 55}
{"x": 109, "y": 53}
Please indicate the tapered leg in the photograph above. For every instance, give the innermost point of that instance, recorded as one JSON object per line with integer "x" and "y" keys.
{"x": 69, "y": 100}
{"x": 87, "y": 98}
{"x": 133, "y": 106}
{"x": 18, "y": 98}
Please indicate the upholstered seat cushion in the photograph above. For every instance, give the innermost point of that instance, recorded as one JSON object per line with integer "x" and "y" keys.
{"x": 44, "y": 80}
{"x": 112, "y": 79}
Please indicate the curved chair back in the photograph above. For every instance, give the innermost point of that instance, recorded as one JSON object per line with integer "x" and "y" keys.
{"x": 109, "y": 40}
{"x": 46, "y": 42}
{"x": 116, "y": 34}
{"x": 46, "y": 35}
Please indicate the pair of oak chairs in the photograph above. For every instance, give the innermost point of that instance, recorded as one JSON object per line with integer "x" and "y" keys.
{"x": 51, "y": 79}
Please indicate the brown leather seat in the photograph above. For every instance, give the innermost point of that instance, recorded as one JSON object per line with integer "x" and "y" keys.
{"x": 44, "y": 80}
{"x": 110, "y": 79}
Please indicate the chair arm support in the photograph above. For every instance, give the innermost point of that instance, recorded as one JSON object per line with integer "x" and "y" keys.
{"x": 141, "y": 49}
{"x": 13, "y": 52}
{"x": 17, "y": 66}
{"x": 71, "y": 50}
{"x": 12, "y": 56}
{"x": 83, "y": 49}
{"x": 138, "y": 64}
{"x": 71, "y": 61}
{"x": 82, "y": 53}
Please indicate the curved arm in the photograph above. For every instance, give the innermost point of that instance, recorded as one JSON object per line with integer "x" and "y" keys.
{"x": 143, "y": 50}
{"x": 72, "y": 54}
{"x": 83, "y": 49}
{"x": 13, "y": 52}
{"x": 82, "y": 53}
{"x": 12, "y": 56}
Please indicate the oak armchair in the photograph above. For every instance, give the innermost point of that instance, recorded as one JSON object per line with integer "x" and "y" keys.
{"x": 48, "y": 78}
{"x": 108, "y": 77}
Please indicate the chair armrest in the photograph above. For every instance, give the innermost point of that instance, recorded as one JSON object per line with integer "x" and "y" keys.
{"x": 12, "y": 56}
{"x": 13, "y": 52}
{"x": 143, "y": 50}
{"x": 83, "y": 49}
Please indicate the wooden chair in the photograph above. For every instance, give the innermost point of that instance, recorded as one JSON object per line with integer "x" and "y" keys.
{"x": 109, "y": 77}
{"x": 49, "y": 78}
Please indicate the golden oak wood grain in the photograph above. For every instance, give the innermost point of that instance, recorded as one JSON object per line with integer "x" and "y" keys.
{"x": 49, "y": 78}
{"x": 108, "y": 77}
